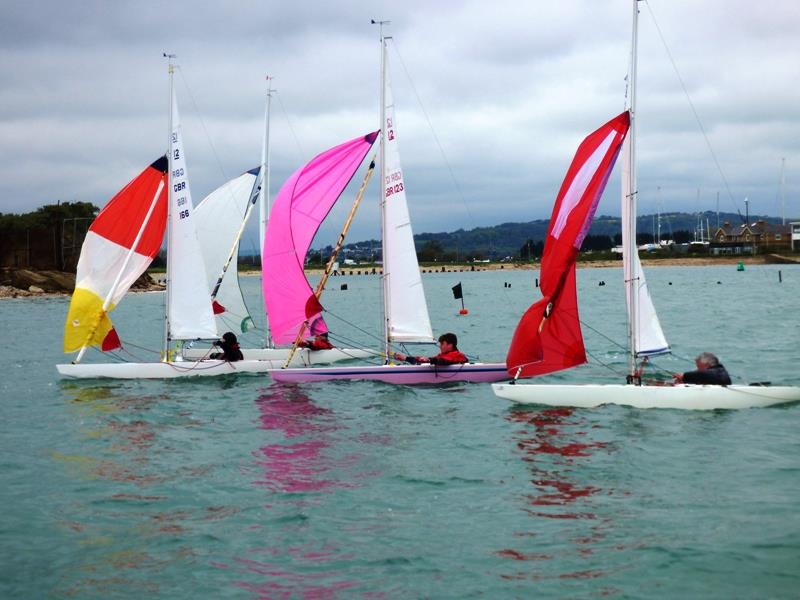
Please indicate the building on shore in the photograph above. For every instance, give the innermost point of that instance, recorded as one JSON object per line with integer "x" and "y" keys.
{"x": 753, "y": 238}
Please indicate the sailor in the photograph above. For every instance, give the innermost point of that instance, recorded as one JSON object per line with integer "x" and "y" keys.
{"x": 449, "y": 353}
{"x": 230, "y": 348}
{"x": 709, "y": 372}
{"x": 320, "y": 342}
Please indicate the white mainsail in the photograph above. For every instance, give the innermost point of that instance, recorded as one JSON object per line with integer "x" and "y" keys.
{"x": 645, "y": 334}
{"x": 218, "y": 219}
{"x": 189, "y": 312}
{"x": 406, "y": 309}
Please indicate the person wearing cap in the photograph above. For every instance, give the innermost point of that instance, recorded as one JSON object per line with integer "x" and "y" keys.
{"x": 320, "y": 342}
{"x": 449, "y": 355}
{"x": 709, "y": 372}
{"x": 230, "y": 348}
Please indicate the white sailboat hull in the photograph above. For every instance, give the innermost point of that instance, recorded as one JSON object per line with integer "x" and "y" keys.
{"x": 684, "y": 397}
{"x": 165, "y": 370}
{"x": 302, "y": 357}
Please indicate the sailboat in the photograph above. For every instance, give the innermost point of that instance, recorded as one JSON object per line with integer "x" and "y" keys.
{"x": 405, "y": 310}
{"x": 120, "y": 244}
{"x": 548, "y": 337}
{"x": 221, "y": 218}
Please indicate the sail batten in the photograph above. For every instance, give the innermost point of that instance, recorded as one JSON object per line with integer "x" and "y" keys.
{"x": 300, "y": 206}
{"x": 548, "y": 338}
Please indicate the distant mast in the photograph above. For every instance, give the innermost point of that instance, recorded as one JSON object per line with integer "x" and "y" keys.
{"x": 783, "y": 191}
{"x": 263, "y": 196}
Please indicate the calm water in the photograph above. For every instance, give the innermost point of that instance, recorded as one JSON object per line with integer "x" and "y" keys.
{"x": 241, "y": 488}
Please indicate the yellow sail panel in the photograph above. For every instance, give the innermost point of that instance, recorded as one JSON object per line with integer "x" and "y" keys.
{"x": 87, "y": 323}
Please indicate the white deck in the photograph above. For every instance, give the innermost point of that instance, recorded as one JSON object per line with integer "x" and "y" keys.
{"x": 164, "y": 370}
{"x": 682, "y": 397}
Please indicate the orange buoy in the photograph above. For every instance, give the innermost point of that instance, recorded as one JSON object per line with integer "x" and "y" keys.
{"x": 463, "y": 311}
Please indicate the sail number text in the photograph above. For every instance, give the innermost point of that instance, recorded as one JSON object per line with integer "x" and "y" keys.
{"x": 394, "y": 183}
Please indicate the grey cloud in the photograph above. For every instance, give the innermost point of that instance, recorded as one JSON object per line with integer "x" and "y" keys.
{"x": 511, "y": 88}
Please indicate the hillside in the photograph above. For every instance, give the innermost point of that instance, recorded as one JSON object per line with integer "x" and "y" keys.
{"x": 508, "y": 239}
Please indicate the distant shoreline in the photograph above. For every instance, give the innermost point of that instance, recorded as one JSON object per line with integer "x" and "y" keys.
{"x": 7, "y": 291}
{"x": 588, "y": 264}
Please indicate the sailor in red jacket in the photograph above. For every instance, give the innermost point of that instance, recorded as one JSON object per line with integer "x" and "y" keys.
{"x": 320, "y": 342}
{"x": 449, "y": 355}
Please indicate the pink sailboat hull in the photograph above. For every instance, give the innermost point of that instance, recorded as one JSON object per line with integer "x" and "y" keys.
{"x": 397, "y": 374}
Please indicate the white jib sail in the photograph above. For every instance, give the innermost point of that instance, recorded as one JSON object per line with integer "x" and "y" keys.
{"x": 218, "y": 219}
{"x": 189, "y": 312}
{"x": 406, "y": 309}
{"x": 649, "y": 338}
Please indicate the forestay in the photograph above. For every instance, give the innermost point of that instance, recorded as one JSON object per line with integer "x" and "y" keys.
{"x": 189, "y": 307}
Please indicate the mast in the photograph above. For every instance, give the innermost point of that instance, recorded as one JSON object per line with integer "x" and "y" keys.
{"x": 382, "y": 191}
{"x": 630, "y": 249}
{"x": 783, "y": 191}
{"x": 658, "y": 210}
{"x": 263, "y": 196}
{"x": 171, "y": 70}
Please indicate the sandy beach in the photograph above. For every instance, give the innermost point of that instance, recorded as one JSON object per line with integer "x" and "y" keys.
{"x": 589, "y": 264}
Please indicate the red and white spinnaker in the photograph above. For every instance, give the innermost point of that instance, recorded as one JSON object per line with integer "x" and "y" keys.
{"x": 548, "y": 337}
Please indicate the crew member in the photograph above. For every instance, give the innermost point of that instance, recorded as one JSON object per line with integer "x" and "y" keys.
{"x": 320, "y": 342}
{"x": 230, "y": 348}
{"x": 709, "y": 372}
{"x": 449, "y": 353}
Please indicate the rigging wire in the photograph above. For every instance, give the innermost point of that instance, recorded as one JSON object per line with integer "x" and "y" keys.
{"x": 203, "y": 124}
{"x": 435, "y": 136}
{"x": 694, "y": 111}
{"x": 300, "y": 150}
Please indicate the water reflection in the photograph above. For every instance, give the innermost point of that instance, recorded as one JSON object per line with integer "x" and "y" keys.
{"x": 297, "y": 463}
{"x": 130, "y": 467}
{"x": 299, "y": 467}
{"x": 559, "y": 448}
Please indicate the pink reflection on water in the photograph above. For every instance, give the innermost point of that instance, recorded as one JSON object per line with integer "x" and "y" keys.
{"x": 303, "y": 456}
{"x": 311, "y": 583}
{"x": 296, "y": 465}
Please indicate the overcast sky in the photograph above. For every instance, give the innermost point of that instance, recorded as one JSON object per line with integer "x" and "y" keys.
{"x": 510, "y": 89}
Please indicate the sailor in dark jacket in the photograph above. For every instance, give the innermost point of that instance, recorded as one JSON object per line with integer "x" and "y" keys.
{"x": 709, "y": 372}
{"x": 230, "y": 348}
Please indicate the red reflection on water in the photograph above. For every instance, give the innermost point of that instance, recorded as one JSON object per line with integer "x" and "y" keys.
{"x": 554, "y": 443}
{"x": 544, "y": 445}
{"x": 509, "y": 553}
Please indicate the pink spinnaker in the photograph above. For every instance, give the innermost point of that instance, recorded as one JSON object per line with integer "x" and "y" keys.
{"x": 300, "y": 207}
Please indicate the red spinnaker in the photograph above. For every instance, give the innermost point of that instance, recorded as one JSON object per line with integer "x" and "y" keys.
{"x": 548, "y": 337}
